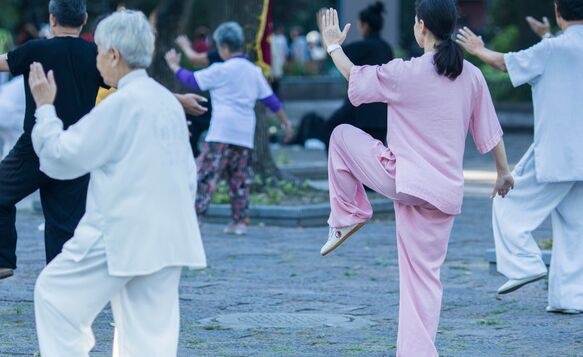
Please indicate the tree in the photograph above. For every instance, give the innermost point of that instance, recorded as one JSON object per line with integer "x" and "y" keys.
{"x": 169, "y": 19}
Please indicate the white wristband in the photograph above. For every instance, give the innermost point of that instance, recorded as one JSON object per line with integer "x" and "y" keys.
{"x": 332, "y": 48}
{"x": 547, "y": 35}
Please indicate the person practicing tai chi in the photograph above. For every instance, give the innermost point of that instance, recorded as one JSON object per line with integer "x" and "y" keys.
{"x": 63, "y": 201}
{"x": 235, "y": 86}
{"x": 549, "y": 177}
{"x": 433, "y": 101}
{"x": 140, "y": 227}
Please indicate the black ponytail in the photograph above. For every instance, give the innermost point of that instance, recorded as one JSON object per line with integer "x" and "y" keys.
{"x": 373, "y": 16}
{"x": 440, "y": 17}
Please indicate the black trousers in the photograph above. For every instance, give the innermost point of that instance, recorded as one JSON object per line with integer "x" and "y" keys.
{"x": 313, "y": 126}
{"x": 63, "y": 202}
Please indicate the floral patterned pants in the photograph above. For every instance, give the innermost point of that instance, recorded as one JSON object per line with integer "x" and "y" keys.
{"x": 231, "y": 162}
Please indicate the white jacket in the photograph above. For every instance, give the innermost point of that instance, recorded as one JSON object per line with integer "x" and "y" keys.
{"x": 143, "y": 176}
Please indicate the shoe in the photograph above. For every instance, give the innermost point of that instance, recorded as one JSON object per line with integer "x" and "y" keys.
{"x": 515, "y": 284}
{"x": 238, "y": 229}
{"x": 559, "y": 310}
{"x": 337, "y": 236}
{"x": 6, "y": 273}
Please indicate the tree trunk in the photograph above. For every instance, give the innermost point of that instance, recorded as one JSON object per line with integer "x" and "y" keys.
{"x": 168, "y": 16}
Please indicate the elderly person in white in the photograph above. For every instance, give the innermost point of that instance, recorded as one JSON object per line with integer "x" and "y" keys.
{"x": 140, "y": 227}
{"x": 549, "y": 177}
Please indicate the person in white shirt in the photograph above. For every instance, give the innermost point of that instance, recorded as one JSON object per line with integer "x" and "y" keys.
{"x": 140, "y": 227}
{"x": 12, "y": 108}
{"x": 235, "y": 86}
{"x": 549, "y": 177}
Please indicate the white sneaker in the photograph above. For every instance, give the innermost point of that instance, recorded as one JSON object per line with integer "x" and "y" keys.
{"x": 515, "y": 284}
{"x": 337, "y": 236}
{"x": 559, "y": 310}
{"x": 238, "y": 229}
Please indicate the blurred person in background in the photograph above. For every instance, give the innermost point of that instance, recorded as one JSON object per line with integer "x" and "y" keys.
{"x": 371, "y": 50}
{"x": 235, "y": 86}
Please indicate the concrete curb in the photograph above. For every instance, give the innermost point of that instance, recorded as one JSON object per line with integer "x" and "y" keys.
{"x": 291, "y": 216}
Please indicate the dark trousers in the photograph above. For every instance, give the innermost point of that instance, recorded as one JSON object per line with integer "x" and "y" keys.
{"x": 63, "y": 202}
{"x": 313, "y": 126}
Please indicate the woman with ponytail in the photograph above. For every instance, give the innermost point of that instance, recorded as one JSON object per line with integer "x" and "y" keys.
{"x": 433, "y": 102}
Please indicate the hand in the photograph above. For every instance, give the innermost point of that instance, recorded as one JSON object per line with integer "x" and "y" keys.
{"x": 289, "y": 133}
{"x": 182, "y": 41}
{"x": 42, "y": 87}
{"x": 173, "y": 60}
{"x": 191, "y": 103}
{"x": 331, "y": 34}
{"x": 540, "y": 28}
{"x": 470, "y": 41}
{"x": 504, "y": 183}
{"x": 319, "y": 17}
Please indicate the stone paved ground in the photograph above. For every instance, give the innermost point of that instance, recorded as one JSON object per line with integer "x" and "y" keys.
{"x": 275, "y": 270}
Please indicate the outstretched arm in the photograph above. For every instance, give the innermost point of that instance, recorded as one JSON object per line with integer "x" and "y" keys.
{"x": 4, "y": 63}
{"x": 475, "y": 46}
{"x": 196, "y": 58}
{"x": 333, "y": 38}
{"x": 504, "y": 180}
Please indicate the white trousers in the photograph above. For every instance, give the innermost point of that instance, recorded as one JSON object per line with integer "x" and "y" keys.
{"x": 70, "y": 292}
{"x": 525, "y": 208}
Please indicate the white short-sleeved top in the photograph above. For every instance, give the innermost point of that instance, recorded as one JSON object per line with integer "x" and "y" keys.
{"x": 235, "y": 86}
{"x": 554, "y": 69}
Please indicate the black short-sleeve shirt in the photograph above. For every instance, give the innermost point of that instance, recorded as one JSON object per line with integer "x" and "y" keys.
{"x": 73, "y": 61}
{"x": 214, "y": 57}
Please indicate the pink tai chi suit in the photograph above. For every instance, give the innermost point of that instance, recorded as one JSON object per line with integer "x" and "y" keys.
{"x": 429, "y": 117}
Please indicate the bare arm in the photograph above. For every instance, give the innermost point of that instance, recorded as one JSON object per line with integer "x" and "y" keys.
{"x": 475, "y": 46}
{"x": 504, "y": 181}
{"x": 196, "y": 58}
{"x": 285, "y": 125}
{"x": 4, "y": 63}
{"x": 332, "y": 36}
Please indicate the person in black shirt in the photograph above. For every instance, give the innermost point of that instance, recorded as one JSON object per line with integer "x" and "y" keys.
{"x": 73, "y": 61}
{"x": 371, "y": 118}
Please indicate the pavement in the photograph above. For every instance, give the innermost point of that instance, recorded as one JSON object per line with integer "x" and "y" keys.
{"x": 270, "y": 293}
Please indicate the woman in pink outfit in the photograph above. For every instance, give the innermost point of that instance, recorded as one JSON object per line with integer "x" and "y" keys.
{"x": 433, "y": 101}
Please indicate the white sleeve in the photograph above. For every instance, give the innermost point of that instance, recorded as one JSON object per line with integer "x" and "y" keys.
{"x": 83, "y": 147}
{"x": 211, "y": 77}
{"x": 528, "y": 65}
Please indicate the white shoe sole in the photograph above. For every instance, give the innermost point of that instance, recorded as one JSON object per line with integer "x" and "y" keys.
{"x": 518, "y": 286}
{"x": 341, "y": 240}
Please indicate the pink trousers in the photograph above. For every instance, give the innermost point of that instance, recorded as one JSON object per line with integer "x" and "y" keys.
{"x": 356, "y": 159}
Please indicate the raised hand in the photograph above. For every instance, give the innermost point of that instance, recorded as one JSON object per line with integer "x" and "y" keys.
{"x": 42, "y": 87}
{"x": 538, "y": 27}
{"x": 470, "y": 41}
{"x": 331, "y": 28}
{"x": 504, "y": 183}
{"x": 182, "y": 41}
{"x": 319, "y": 18}
{"x": 173, "y": 60}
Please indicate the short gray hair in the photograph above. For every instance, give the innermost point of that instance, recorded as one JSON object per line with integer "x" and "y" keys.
{"x": 230, "y": 34}
{"x": 131, "y": 34}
